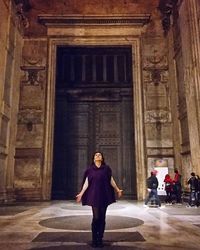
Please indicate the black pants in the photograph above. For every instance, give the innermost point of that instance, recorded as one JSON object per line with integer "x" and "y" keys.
{"x": 98, "y": 223}
{"x": 168, "y": 198}
{"x": 178, "y": 191}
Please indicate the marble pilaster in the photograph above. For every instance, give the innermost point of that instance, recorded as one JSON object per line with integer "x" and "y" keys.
{"x": 11, "y": 38}
{"x": 191, "y": 54}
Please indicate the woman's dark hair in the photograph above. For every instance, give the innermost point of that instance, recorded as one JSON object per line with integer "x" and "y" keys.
{"x": 103, "y": 161}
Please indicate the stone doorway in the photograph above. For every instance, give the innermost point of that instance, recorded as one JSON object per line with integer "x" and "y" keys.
{"x": 94, "y": 111}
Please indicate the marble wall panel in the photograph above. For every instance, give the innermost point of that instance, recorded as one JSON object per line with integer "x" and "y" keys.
{"x": 156, "y": 102}
{"x": 187, "y": 168}
{"x": 4, "y": 14}
{"x": 158, "y": 135}
{"x": 2, "y": 172}
{"x": 186, "y": 45}
{"x": 151, "y": 90}
{"x": 30, "y": 137}
{"x": 31, "y": 97}
{"x": 34, "y": 52}
{"x": 27, "y": 173}
{"x": 4, "y": 131}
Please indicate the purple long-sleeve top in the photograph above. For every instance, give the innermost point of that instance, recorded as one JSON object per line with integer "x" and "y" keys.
{"x": 99, "y": 193}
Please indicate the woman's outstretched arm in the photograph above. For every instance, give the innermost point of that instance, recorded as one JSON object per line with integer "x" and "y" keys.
{"x": 114, "y": 185}
{"x": 85, "y": 186}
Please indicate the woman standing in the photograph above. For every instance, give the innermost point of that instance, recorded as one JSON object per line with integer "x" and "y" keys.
{"x": 168, "y": 188}
{"x": 98, "y": 192}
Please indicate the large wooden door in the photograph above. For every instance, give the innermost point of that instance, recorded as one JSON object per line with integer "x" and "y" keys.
{"x": 93, "y": 116}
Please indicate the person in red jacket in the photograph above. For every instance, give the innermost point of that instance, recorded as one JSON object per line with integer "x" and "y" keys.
{"x": 168, "y": 188}
{"x": 177, "y": 186}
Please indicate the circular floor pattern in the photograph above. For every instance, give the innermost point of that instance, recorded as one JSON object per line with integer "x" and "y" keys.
{"x": 75, "y": 207}
{"x": 83, "y": 222}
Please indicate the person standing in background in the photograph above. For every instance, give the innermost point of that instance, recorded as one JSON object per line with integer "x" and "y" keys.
{"x": 152, "y": 185}
{"x": 198, "y": 190}
{"x": 193, "y": 182}
{"x": 177, "y": 186}
{"x": 168, "y": 188}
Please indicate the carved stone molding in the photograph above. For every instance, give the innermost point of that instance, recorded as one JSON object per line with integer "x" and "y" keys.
{"x": 159, "y": 61}
{"x": 53, "y": 20}
{"x": 32, "y": 75}
{"x": 155, "y": 116}
{"x": 160, "y": 151}
{"x": 30, "y": 115}
{"x": 155, "y": 76}
{"x": 155, "y": 69}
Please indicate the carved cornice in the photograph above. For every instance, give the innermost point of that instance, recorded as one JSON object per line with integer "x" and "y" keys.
{"x": 53, "y": 20}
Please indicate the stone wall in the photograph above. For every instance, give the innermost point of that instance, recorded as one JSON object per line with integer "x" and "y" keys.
{"x": 10, "y": 60}
{"x": 31, "y": 170}
{"x": 157, "y": 103}
{"x": 185, "y": 50}
{"x": 30, "y": 133}
{"x": 167, "y": 71}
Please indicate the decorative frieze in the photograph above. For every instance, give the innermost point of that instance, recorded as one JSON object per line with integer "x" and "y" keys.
{"x": 160, "y": 151}
{"x": 153, "y": 116}
{"x": 155, "y": 70}
{"x": 156, "y": 60}
{"x": 155, "y": 76}
{"x": 32, "y": 75}
{"x": 137, "y": 20}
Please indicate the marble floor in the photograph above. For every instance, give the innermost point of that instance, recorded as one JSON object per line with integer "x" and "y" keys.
{"x": 59, "y": 225}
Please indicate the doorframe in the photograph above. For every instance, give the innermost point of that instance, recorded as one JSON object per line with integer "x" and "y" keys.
{"x": 135, "y": 43}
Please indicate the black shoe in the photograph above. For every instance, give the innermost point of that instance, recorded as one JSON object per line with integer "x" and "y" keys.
{"x": 94, "y": 244}
{"x": 100, "y": 243}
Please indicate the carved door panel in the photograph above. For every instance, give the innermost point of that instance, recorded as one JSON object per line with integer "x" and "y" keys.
{"x": 114, "y": 137}
{"x": 108, "y": 135}
{"x": 86, "y": 127}
{"x": 72, "y": 142}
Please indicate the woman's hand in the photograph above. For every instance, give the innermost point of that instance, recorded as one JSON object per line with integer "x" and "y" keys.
{"x": 78, "y": 197}
{"x": 119, "y": 193}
